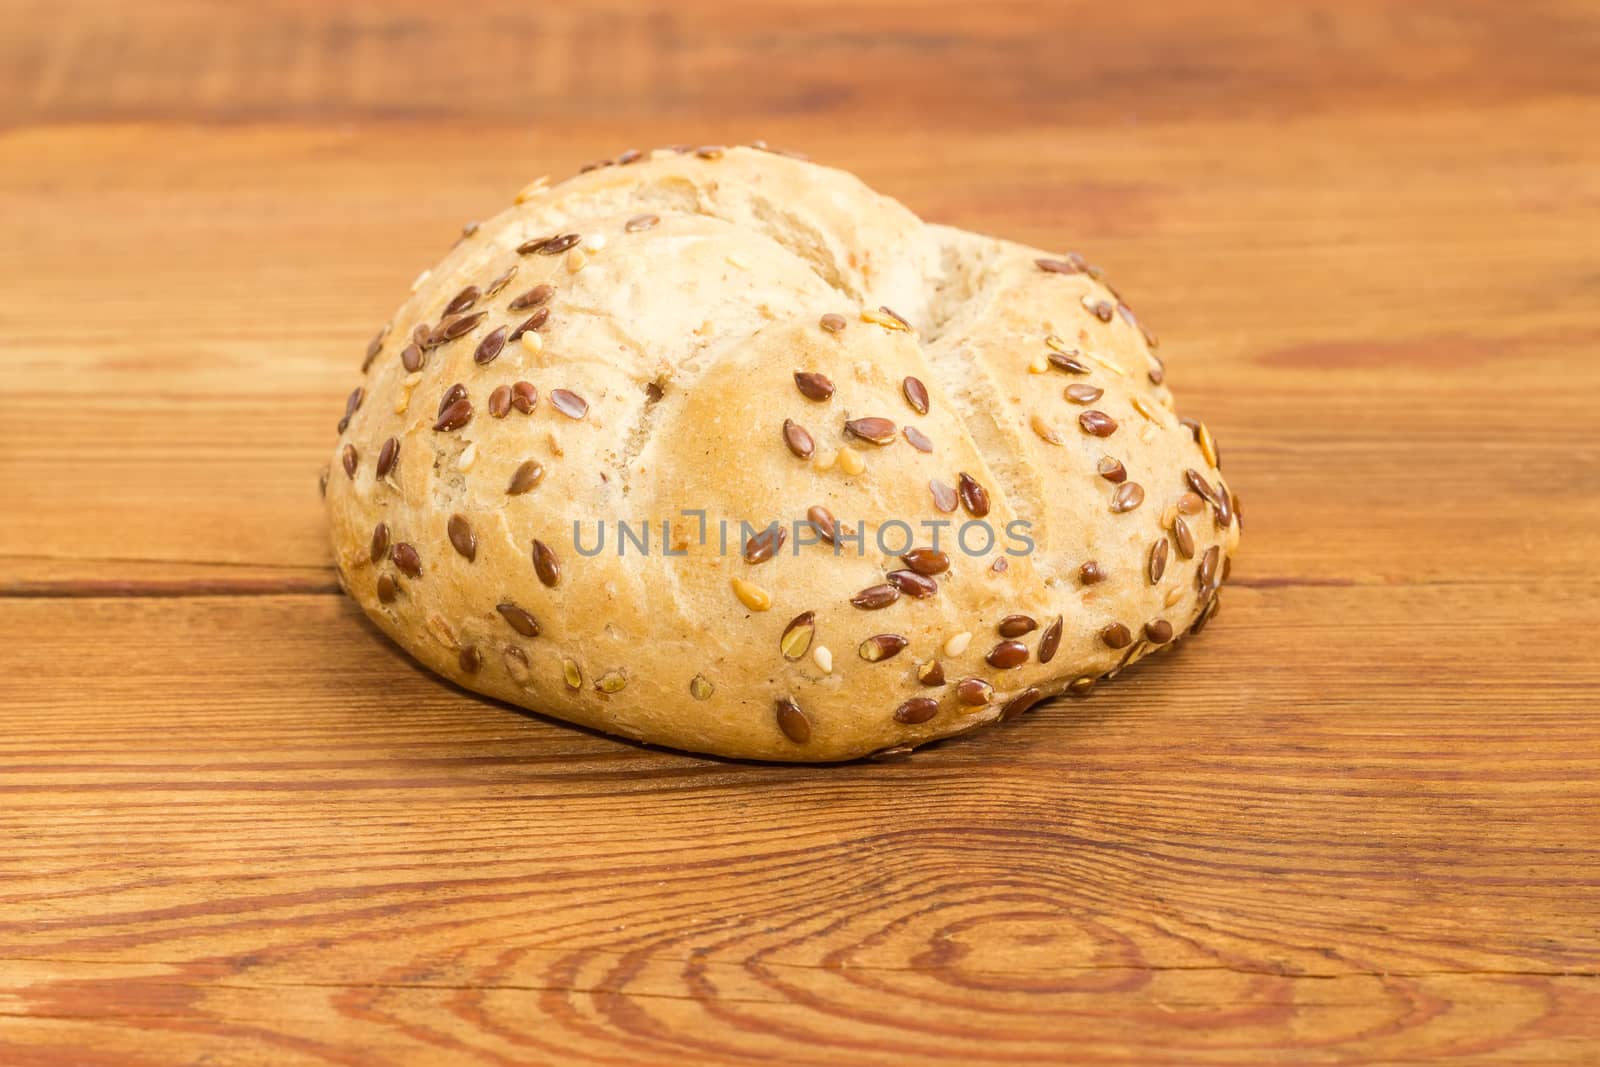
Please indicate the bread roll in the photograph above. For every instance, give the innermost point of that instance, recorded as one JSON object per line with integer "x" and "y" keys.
{"x": 654, "y": 352}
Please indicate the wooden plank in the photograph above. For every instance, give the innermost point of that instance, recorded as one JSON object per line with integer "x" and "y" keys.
{"x": 1376, "y": 385}
{"x": 881, "y": 64}
{"x": 1239, "y": 854}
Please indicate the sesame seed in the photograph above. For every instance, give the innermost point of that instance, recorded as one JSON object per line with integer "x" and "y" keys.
{"x": 793, "y": 722}
{"x": 546, "y": 564}
{"x": 957, "y": 643}
{"x": 594, "y": 242}
{"x": 798, "y": 440}
{"x": 421, "y": 280}
{"x": 533, "y": 189}
{"x": 944, "y": 497}
{"x": 1128, "y": 496}
{"x": 612, "y": 682}
{"x": 876, "y": 597}
{"x": 1081, "y": 687}
{"x": 851, "y": 461}
{"x": 823, "y": 658}
{"x": 526, "y": 477}
{"x": 569, "y": 403}
{"x": 974, "y": 497}
{"x": 405, "y": 557}
{"x": 519, "y": 619}
{"x": 1174, "y": 595}
{"x": 576, "y": 260}
{"x": 1208, "y": 445}
{"x": 1142, "y": 406}
{"x": 468, "y": 457}
{"x": 699, "y": 688}
{"x": 751, "y": 595}
{"x": 797, "y": 635}
{"x": 917, "y": 439}
{"x": 531, "y": 341}
{"x": 974, "y": 692}
{"x": 878, "y": 431}
{"x": 813, "y": 386}
{"x": 1038, "y": 365}
{"x": 916, "y": 394}
{"x": 571, "y": 675}
{"x": 916, "y": 710}
{"x": 462, "y": 537}
{"x": 825, "y": 460}
{"x": 1046, "y": 432}
{"x": 885, "y": 318}
{"x": 641, "y": 222}
{"x": 880, "y": 647}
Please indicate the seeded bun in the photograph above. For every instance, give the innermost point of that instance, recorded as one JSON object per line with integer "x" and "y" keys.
{"x": 710, "y": 331}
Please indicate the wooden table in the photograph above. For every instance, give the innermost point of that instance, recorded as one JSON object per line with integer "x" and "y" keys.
{"x": 1357, "y": 821}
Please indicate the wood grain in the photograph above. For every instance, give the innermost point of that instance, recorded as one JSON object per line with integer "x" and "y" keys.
{"x": 1355, "y": 822}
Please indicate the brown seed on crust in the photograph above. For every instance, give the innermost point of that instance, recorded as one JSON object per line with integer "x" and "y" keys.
{"x": 1116, "y": 635}
{"x": 1158, "y": 631}
{"x": 451, "y": 329}
{"x": 380, "y": 541}
{"x": 1064, "y": 361}
{"x": 1007, "y": 655}
{"x": 1080, "y": 687}
{"x": 388, "y": 589}
{"x": 501, "y": 282}
{"x": 974, "y": 497}
{"x": 1091, "y": 573}
{"x": 917, "y": 439}
{"x": 1097, "y": 423}
{"x": 526, "y": 477}
{"x": 500, "y": 402}
{"x": 1128, "y": 496}
{"x": 813, "y": 386}
{"x": 489, "y": 348}
{"x": 1017, "y": 625}
{"x": 1058, "y": 266}
{"x": 1021, "y": 703}
{"x": 926, "y": 561}
{"x": 916, "y": 710}
{"x": 518, "y": 619}
{"x": 532, "y": 322}
{"x": 351, "y": 459}
{"x": 765, "y": 544}
{"x": 422, "y": 336}
{"x": 944, "y": 497}
{"x": 454, "y": 417}
{"x": 411, "y": 357}
{"x": 880, "y": 647}
{"x": 463, "y": 300}
{"x": 451, "y": 395}
{"x": 878, "y": 431}
{"x": 322, "y": 483}
{"x": 375, "y": 346}
{"x": 1206, "y": 573}
{"x": 554, "y": 246}
{"x": 470, "y": 659}
{"x": 462, "y": 537}
{"x": 1049, "y": 641}
{"x": 916, "y": 394}
{"x": 387, "y": 456}
{"x": 1191, "y": 503}
{"x": 793, "y": 722}
{"x": 1224, "y": 513}
{"x": 974, "y": 692}
{"x": 798, "y": 440}
{"x": 524, "y": 397}
{"x": 1204, "y": 488}
{"x": 913, "y": 584}
{"x": 641, "y": 222}
{"x": 569, "y": 403}
{"x": 796, "y": 639}
{"x": 833, "y": 322}
{"x": 1079, "y": 393}
{"x": 931, "y": 673}
{"x": 1158, "y": 560}
{"x": 827, "y": 526}
{"x": 405, "y": 557}
{"x": 546, "y": 564}
{"x": 1112, "y": 470}
{"x": 1101, "y": 309}
{"x": 535, "y": 297}
{"x": 1183, "y": 537}
{"x": 875, "y": 596}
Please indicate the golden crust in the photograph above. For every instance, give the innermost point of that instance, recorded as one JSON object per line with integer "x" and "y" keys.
{"x": 687, "y": 296}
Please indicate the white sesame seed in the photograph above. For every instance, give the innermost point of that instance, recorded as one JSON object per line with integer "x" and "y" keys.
{"x": 824, "y": 658}
{"x": 532, "y": 341}
{"x": 468, "y": 457}
{"x": 594, "y": 242}
{"x": 824, "y": 460}
{"x": 421, "y": 280}
{"x": 957, "y": 644}
{"x": 1038, "y": 365}
{"x": 533, "y": 189}
{"x": 739, "y": 261}
{"x": 576, "y": 260}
